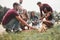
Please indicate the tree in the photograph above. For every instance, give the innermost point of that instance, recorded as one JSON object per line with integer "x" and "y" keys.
{"x": 0, "y": 6}
{"x": 3, "y": 10}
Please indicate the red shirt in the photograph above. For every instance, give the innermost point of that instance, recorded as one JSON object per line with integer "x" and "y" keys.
{"x": 45, "y": 8}
{"x": 12, "y": 13}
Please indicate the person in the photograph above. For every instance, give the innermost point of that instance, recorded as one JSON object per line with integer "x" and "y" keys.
{"x": 20, "y": 1}
{"x": 12, "y": 19}
{"x": 24, "y": 16}
{"x": 33, "y": 18}
{"x": 47, "y": 17}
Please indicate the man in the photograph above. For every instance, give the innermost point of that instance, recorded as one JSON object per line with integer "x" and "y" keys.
{"x": 11, "y": 19}
{"x": 48, "y": 17}
{"x": 20, "y": 1}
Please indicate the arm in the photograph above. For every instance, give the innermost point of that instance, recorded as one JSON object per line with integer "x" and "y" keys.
{"x": 18, "y": 17}
{"x": 48, "y": 14}
{"x": 41, "y": 15}
{"x": 21, "y": 20}
{"x": 41, "y": 12}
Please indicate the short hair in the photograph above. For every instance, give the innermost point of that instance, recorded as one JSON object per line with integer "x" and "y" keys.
{"x": 15, "y": 4}
{"x": 38, "y": 3}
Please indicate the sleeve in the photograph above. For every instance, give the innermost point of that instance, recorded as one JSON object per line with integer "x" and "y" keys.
{"x": 15, "y": 13}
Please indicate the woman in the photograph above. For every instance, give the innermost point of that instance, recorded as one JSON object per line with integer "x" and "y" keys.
{"x": 24, "y": 17}
{"x": 33, "y": 18}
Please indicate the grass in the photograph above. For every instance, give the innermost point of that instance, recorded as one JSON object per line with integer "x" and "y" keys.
{"x": 51, "y": 34}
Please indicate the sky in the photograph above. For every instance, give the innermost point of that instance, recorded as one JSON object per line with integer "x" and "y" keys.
{"x": 31, "y": 5}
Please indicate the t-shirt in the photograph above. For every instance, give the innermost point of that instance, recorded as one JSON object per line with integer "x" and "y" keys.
{"x": 9, "y": 16}
{"x": 45, "y": 8}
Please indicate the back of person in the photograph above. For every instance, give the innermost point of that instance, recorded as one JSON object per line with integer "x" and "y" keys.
{"x": 47, "y": 8}
{"x": 8, "y": 16}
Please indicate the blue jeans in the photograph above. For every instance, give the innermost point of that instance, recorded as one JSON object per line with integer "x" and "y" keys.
{"x": 12, "y": 25}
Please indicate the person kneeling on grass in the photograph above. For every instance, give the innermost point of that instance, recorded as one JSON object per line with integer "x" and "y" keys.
{"x": 24, "y": 16}
{"x": 12, "y": 19}
{"x": 47, "y": 19}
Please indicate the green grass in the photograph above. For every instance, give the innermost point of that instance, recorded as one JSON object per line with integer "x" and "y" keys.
{"x": 50, "y": 34}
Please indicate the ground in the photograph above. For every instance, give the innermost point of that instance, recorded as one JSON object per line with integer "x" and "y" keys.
{"x": 50, "y": 34}
{"x": 2, "y": 30}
